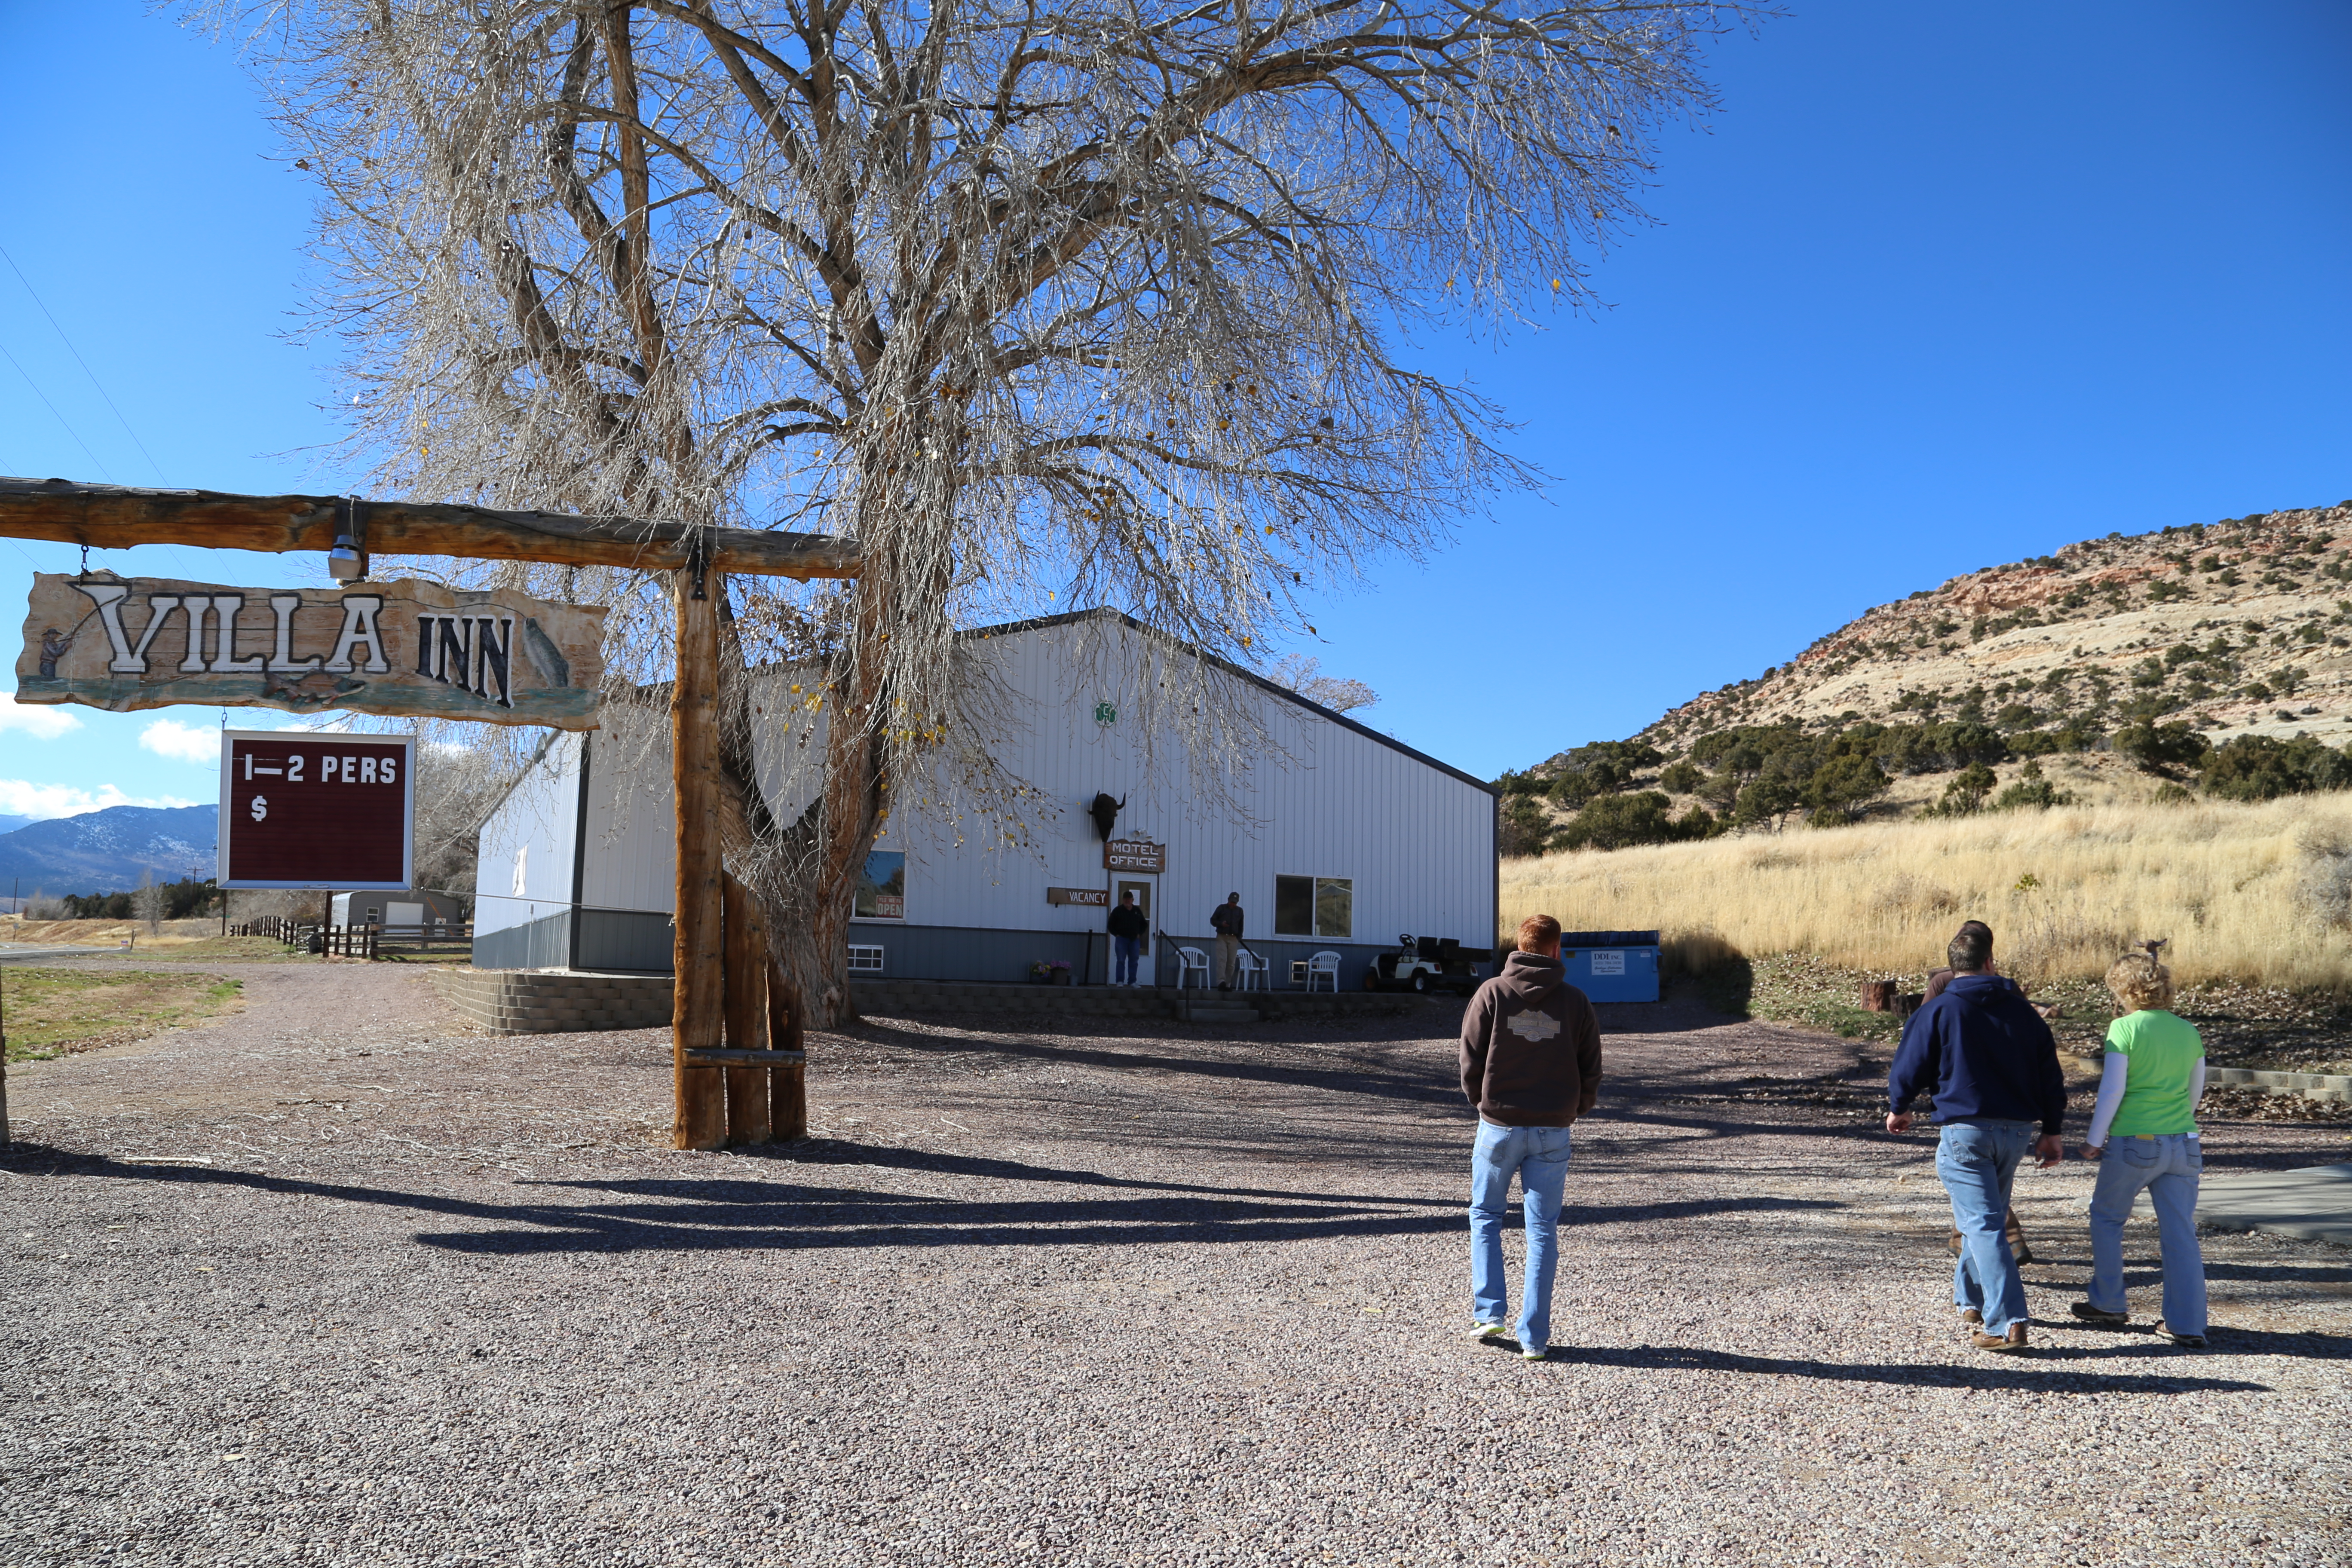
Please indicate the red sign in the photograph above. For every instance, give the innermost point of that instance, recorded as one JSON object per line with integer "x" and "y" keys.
{"x": 316, "y": 811}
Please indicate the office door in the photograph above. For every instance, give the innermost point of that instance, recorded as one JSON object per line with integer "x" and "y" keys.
{"x": 1142, "y": 888}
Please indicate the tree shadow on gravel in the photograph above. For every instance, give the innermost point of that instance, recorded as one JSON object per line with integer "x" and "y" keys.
{"x": 1341, "y": 1071}
{"x": 821, "y": 1152}
{"x": 690, "y": 1215}
{"x": 2031, "y": 1376}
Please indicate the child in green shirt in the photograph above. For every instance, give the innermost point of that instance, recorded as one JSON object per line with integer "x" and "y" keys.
{"x": 2144, "y": 1135}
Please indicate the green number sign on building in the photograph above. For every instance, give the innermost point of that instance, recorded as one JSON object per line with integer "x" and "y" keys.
{"x": 1105, "y": 714}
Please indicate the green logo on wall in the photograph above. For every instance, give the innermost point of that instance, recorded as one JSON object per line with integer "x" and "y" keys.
{"x": 1105, "y": 714}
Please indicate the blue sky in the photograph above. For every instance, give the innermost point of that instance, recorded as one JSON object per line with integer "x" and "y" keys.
{"x": 1938, "y": 287}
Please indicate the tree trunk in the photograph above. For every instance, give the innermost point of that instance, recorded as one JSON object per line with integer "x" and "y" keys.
{"x": 812, "y": 942}
{"x": 1878, "y": 995}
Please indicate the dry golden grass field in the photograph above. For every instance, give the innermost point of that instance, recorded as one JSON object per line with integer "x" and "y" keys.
{"x": 2255, "y": 893}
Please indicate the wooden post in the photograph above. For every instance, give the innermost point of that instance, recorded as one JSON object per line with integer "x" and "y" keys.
{"x": 698, "y": 1017}
{"x": 787, "y": 1085}
{"x": 747, "y": 1015}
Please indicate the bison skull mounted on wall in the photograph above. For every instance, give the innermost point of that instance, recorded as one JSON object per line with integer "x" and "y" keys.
{"x": 1105, "y": 811}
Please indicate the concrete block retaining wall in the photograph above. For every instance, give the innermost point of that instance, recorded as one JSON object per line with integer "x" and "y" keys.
{"x": 543, "y": 1002}
{"x": 547, "y": 1002}
{"x": 2310, "y": 1085}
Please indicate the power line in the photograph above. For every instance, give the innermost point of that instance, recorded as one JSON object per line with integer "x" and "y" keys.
{"x": 53, "y": 410}
{"x": 118, "y": 419}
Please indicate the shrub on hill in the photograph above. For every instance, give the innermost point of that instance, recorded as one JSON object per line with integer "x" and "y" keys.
{"x": 2161, "y": 748}
{"x": 2258, "y": 767}
{"x": 1622, "y": 821}
{"x": 2031, "y": 790}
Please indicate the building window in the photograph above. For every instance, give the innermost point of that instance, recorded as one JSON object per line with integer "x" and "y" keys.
{"x": 865, "y": 960}
{"x": 1315, "y": 907}
{"x": 882, "y": 887}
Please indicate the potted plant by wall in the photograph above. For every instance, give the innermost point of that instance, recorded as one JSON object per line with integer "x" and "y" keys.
{"x": 1049, "y": 972}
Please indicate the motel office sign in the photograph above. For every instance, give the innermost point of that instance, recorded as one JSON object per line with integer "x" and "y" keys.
{"x": 406, "y": 649}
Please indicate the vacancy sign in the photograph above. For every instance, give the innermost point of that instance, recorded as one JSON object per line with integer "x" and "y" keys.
{"x": 317, "y": 811}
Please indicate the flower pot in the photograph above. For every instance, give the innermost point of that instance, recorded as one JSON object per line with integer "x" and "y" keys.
{"x": 1061, "y": 977}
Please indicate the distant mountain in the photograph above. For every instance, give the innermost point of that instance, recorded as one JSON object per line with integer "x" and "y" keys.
{"x": 10, "y": 824}
{"x": 106, "y": 851}
{"x": 2237, "y": 626}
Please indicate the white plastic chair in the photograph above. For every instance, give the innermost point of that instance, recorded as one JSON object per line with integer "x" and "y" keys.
{"x": 1190, "y": 961}
{"x": 1253, "y": 969}
{"x": 1324, "y": 966}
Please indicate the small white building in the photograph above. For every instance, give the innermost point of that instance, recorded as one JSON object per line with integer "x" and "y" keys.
{"x": 1338, "y": 837}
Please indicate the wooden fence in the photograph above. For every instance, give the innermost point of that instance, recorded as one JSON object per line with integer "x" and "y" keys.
{"x": 359, "y": 940}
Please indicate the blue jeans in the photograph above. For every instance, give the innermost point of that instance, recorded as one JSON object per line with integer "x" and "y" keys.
{"x": 1978, "y": 1161}
{"x": 1539, "y": 1157}
{"x": 1130, "y": 948}
{"x": 2169, "y": 1166}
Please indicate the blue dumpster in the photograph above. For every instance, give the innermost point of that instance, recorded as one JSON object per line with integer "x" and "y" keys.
{"x": 1611, "y": 965}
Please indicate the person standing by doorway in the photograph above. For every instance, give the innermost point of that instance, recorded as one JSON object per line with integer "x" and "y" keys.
{"x": 1127, "y": 929}
{"x": 1531, "y": 1064}
{"x": 1225, "y": 920}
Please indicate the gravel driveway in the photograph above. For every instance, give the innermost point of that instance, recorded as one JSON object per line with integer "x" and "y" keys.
{"x": 1164, "y": 1296}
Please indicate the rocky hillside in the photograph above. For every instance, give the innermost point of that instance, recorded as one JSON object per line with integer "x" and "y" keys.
{"x": 2236, "y": 627}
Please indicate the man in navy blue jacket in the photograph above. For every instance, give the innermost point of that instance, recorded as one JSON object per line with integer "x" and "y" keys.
{"x": 1990, "y": 1067}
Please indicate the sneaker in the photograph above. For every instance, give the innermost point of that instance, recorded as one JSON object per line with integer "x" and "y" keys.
{"x": 1489, "y": 1332}
{"x": 2091, "y": 1314}
{"x": 2012, "y": 1344}
{"x": 2187, "y": 1342}
{"x": 1539, "y": 1355}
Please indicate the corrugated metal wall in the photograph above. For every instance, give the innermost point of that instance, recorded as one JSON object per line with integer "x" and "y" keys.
{"x": 1315, "y": 798}
{"x": 1324, "y": 801}
{"x": 524, "y": 869}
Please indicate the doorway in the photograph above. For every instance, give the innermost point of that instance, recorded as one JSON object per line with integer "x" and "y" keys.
{"x": 1141, "y": 886}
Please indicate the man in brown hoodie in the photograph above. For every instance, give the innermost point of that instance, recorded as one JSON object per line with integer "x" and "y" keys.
{"x": 1531, "y": 1064}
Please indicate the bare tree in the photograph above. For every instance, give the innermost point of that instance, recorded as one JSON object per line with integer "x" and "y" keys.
{"x": 1094, "y": 305}
{"x": 1303, "y": 673}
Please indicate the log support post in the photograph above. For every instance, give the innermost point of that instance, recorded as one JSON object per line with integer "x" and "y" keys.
{"x": 746, "y": 1017}
{"x": 697, "y": 1018}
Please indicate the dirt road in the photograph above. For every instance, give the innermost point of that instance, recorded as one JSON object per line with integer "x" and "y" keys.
{"x": 1163, "y": 1296}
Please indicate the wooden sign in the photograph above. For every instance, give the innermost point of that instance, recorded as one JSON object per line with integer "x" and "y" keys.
{"x": 405, "y": 647}
{"x": 1097, "y": 897}
{"x": 1134, "y": 854}
{"x": 317, "y": 811}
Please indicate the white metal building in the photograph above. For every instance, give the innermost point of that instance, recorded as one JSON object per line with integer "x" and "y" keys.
{"x": 1336, "y": 836}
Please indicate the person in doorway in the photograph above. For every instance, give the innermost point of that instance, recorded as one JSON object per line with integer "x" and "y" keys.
{"x": 1935, "y": 983}
{"x": 1127, "y": 929}
{"x": 1991, "y": 1064}
{"x": 1531, "y": 1064}
{"x": 2154, "y": 1077}
{"x": 1225, "y": 920}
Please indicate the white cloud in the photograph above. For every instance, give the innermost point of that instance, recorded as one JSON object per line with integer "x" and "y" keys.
{"x": 19, "y": 797}
{"x": 183, "y": 743}
{"x": 42, "y": 720}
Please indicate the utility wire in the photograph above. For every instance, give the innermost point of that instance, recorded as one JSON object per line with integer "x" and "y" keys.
{"x": 118, "y": 419}
{"x": 53, "y": 410}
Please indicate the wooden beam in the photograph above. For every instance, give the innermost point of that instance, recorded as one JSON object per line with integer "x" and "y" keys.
{"x": 111, "y": 517}
{"x": 697, "y": 1018}
{"x": 732, "y": 1058}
